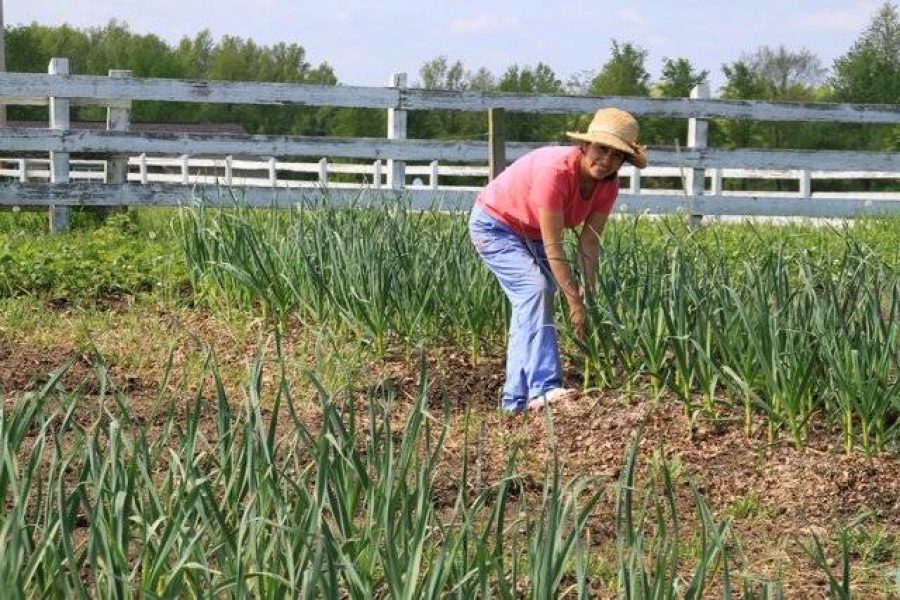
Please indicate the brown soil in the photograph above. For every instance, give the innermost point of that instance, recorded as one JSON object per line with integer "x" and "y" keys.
{"x": 775, "y": 495}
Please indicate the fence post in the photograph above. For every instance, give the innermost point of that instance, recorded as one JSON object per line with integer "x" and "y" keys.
{"x": 433, "y": 179}
{"x": 59, "y": 161}
{"x": 496, "y": 141}
{"x": 396, "y": 130}
{"x": 142, "y": 166}
{"x": 185, "y": 170}
{"x": 323, "y": 171}
{"x": 273, "y": 172}
{"x": 805, "y": 184}
{"x": 118, "y": 118}
{"x": 634, "y": 183}
{"x": 698, "y": 137}
{"x": 229, "y": 170}
{"x": 23, "y": 170}
{"x": 716, "y": 187}
{"x": 376, "y": 174}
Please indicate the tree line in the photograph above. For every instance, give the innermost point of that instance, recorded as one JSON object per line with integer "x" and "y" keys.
{"x": 869, "y": 72}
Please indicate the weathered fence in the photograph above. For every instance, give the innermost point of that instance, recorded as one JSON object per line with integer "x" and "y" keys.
{"x": 128, "y": 157}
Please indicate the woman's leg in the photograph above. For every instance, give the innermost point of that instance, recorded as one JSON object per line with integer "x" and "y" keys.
{"x": 532, "y": 358}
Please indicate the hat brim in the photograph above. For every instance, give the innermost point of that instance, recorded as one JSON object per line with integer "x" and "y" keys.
{"x": 635, "y": 154}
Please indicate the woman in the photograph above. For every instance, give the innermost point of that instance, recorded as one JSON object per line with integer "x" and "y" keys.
{"x": 517, "y": 228}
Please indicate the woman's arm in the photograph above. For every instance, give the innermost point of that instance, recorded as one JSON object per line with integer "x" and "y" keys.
{"x": 589, "y": 248}
{"x": 551, "y": 223}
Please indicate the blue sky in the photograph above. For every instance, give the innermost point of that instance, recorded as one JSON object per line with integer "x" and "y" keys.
{"x": 366, "y": 41}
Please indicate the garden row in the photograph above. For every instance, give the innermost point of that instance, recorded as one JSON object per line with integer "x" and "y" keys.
{"x": 786, "y": 321}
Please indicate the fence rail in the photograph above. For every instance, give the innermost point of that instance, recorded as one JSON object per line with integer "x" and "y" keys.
{"x": 272, "y": 173}
{"x": 166, "y": 168}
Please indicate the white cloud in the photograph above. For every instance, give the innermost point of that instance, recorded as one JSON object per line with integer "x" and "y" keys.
{"x": 483, "y": 23}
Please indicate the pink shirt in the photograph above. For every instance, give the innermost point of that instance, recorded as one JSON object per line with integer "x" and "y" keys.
{"x": 545, "y": 178}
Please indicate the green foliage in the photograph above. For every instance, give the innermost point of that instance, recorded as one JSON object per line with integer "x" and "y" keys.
{"x": 114, "y": 46}
{"x": 774, "y": 74}
{"x": 192, "y": 506}
{"x": 624, "y": 74}
{"x": 90, "y": 264}
{"x": 870, "y": 71}
{"x": 440, "y": 74}
{"x": 789, "y": 322}
{"x": 377, "y": 270}
{"x": 679, "y": 77}
{"x": 527, "y": 80}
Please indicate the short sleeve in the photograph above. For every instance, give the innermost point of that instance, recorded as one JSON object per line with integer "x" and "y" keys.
{"x": 549, "y": 189}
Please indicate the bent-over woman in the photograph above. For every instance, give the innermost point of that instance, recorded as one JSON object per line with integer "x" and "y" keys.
{"x": 517, "y": 228}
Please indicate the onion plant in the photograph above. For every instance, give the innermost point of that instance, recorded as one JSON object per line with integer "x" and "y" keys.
{"x": 788, "y": 323}
{"x": 652, "y": 568}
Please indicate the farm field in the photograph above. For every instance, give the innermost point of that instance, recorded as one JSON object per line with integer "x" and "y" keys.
{"x": 304, "y": 403}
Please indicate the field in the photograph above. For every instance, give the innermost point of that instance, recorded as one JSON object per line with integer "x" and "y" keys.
{"x": 304, "y": 403}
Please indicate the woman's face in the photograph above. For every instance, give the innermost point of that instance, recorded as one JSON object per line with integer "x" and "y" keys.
{"x": 599, "y": 161}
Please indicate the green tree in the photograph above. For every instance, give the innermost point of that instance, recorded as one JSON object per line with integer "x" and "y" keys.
{"x": 236, "y": 59}
{"x": 527, "y": 80}
{"x": 776, "y": 74}
{"x": 29, "y": 49}
{"x": 195, "y": 54}
{"x": 870, "y": 73}
{"x": 624, "y": 74}
{"x": 786, "y": 74}
{"x": 679, "y": 77}
{"x": 441, "y": 74}
{"x": 115, "y": 46}
{"x": 741, "y": 83}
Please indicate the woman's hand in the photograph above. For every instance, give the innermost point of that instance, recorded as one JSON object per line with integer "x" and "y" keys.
{"x": 577, "y": 315}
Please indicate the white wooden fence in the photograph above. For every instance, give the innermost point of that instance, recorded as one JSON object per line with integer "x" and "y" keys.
{"x": 172, "y": 168}
{"x": 275, "y": 174}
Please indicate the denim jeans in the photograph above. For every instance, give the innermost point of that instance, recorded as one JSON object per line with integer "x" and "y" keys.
{"x": 520, "y": 265}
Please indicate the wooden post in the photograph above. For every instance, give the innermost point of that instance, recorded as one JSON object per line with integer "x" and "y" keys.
{"x": 496, "y": 141}
{"x": 634, "y": 182}
{"x": 698, "y": 137}
{"x": 376, "y": 174}
{"x": 716, "y": 187}
{"x": 396, "y": 130}
{"x": 273, "y": 172}
{"x": 805, "y": 184}
{"x": 142, "y": 166}
{"x": 435, "y": 174}
{"x": 229, "y": 170}
{"x": 118, "y": 118}
{"x": 323, "y": 171}
{"x": 59, "y": 161}
{"x": 185, "y": 170}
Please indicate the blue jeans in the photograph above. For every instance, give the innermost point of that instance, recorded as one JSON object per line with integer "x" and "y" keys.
{"x": 520, "y": 265}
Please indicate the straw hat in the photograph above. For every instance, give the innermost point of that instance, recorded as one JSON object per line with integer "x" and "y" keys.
{"x": 617, "y": 129}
